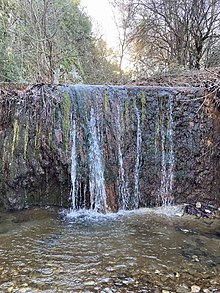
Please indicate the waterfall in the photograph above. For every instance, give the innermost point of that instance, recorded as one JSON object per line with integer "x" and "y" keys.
{"x": 106, "y": 153}
{"x": 167, "y": 156}
{"x": 123, "y": 188}
{"x": 96, "y": 170}
{"x": 171, "y": 152}
{"x": 73, "y": 163}
{"x": 163, "y": 187}
{"x": 137, "y": 164}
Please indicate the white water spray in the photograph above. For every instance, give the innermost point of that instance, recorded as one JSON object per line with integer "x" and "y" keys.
{"x": 167, "y": 159}
{"x": 123, "y": 188}
{"x": 73, "y": 163}
{"x": 96, "y": 170}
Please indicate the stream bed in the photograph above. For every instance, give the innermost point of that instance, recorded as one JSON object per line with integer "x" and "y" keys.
{"x": 147, "y": 250}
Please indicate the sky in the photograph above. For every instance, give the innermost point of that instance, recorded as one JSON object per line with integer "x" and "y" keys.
{"x": 101, "y": 12}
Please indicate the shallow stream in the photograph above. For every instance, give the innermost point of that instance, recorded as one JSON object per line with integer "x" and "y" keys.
{"x": 147, "y": 250}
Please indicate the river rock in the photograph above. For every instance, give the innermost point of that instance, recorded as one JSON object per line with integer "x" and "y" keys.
{"x": 195, "y": 289}
{"x": 195, "y": 258}
{"x": 90, "y": 283}
{"x": 198, "y": 205}
{"x": 107, "y": 290}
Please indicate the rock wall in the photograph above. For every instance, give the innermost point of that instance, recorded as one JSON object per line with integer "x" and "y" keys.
{"x": 157, "y": 145}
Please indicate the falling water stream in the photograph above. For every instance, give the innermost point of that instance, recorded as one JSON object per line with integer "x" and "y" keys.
{"x": 73, "y": 163}
{"x": 171, "y": 150}
{"x": 123, "y": 187}
{"x": 96, "y": 176}
{"x": 167, "y": 155}
{"x": 94, "y": 118}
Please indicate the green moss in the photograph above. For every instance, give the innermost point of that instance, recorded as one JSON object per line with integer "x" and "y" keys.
{"x": 26, "y": 138}
{"x": 37, "y": 135}
{"x": 66, "y": 121}
{"x": 15, "y": 137}
{"x": 106, "y": 102}
{"x": 158, "y": 126}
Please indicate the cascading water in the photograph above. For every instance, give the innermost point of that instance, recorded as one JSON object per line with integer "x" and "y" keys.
{"x": 107, "y": 156}
{"x": 123, "y": 188}
{"x": 171, "y": 152}
{"x": 73, "y": 163}
{"x": 96, "y": 170}
{"x": 163, "y": 187}
{"x": 108, "y": 146}
{"x": 137, "y": 164}
{"x": 167, "y": 156}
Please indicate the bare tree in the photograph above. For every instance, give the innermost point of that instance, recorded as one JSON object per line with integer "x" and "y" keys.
{"x": 174, "y": 33}
{"x": 124, "y": 16}
{"x": 204, "y": 29}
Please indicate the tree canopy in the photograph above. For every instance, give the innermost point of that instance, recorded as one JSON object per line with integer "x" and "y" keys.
{"x": 166, "y": 34}
{"x": 51, "y": 41}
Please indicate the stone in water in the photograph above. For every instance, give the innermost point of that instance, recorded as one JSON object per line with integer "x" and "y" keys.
{"x": 195, "y": 289}
{"x": 198, "y": 205}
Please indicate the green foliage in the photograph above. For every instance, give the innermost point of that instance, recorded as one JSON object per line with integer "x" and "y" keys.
{"x": 51, "y": 41}
{"x": 9, "y": 70}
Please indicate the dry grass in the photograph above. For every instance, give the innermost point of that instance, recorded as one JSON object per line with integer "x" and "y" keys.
{"x": 199, "y": 78}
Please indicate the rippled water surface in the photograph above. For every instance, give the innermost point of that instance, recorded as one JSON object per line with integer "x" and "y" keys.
{"x": 142, "y": 251}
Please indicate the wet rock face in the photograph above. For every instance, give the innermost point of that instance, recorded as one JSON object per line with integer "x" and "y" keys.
{"x": 146, "y": 145}
{"x": 33, "y": 165}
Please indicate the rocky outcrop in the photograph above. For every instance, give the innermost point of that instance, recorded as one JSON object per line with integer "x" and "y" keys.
{"x": 156, "y": 144}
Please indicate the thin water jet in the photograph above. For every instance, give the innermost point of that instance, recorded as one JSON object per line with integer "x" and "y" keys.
{"x": 167, "y": 155}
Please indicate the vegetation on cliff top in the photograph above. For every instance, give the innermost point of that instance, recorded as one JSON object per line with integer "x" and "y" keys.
{"x": 52, "y": 42}
{"x": 162, "y": 35}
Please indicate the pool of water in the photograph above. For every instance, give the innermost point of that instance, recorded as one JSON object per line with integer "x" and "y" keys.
{"x": 148, "y": 250}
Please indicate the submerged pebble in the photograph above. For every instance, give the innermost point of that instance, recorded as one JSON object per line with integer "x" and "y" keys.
{"x": 107, "y": 290}
{"x": 195, "y": 289}
{"x": 90, "y": 283}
